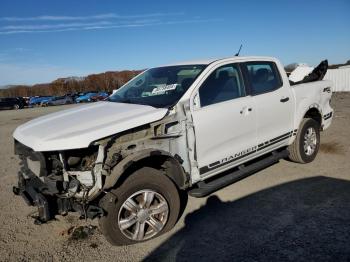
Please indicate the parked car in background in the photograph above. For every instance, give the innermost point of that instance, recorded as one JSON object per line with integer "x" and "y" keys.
{"x": 45, "y": 101}
{"x": 86, "y": 97}
{"x": 74, "y": 95}
{"x": 11, "y": 103}
{"x": 100, "y": 96}
{"x": 23, "y": 100}
{"x": 58, "y": 100}
{"x": 35, "y": 101}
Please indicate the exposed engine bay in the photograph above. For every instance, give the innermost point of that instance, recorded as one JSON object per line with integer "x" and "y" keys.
{"x": 59, "y": 182}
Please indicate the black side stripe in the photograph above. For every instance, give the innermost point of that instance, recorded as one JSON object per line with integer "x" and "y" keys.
{"x": 261, "y": 146}
{"x": 217, "y": 164}
{"x": 275, "y": 142}
{"x": 285, "y": 135}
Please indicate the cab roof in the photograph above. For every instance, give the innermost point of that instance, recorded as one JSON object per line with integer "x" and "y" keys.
{"x": 209, "y": 61}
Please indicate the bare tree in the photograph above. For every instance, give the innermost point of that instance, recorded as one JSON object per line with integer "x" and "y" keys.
{"x": 107, "y": 81}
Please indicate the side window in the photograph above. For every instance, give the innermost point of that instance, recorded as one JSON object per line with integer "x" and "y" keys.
{"x": 263, "y": 77}
{"x": 225, "y": 83}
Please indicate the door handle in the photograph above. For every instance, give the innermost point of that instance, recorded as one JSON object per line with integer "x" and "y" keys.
{"x": 284, "y": 99}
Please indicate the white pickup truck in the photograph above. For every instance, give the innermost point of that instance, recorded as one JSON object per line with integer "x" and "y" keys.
{"x": 188, "y": 128}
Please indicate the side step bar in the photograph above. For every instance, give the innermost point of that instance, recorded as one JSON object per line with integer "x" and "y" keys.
{"x": 205, "y": 188}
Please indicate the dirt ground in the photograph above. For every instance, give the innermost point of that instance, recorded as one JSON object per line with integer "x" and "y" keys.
{"x": 285, "y": 212}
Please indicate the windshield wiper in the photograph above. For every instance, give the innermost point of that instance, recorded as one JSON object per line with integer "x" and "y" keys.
{"x": 126, "y": 101}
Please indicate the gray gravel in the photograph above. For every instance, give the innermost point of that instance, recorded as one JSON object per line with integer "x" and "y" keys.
{"x": 285, "y": 212}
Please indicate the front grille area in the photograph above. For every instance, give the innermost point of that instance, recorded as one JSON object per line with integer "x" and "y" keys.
{"x": 32, "y": 162}
{"x": 41, "y": 184}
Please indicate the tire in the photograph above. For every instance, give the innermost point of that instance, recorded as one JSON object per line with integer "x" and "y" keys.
{"x": 16, "y": 106}
{"x": 304, "y": 150}
{"x": 142, "y": 182}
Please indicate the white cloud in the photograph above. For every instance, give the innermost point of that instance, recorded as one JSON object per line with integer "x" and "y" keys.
{"x": 94, "y": 26}
{"x": 21, "y": 49}
{"x": 51, "y": 26}
{"x": 32, "y": 74}
{"x": 10, "y": 54}
{"x": 48, "y": 23}
{"x": 80, "y": 18}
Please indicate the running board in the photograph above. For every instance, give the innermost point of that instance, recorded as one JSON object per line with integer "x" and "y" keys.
{"x": 203, "y": 189}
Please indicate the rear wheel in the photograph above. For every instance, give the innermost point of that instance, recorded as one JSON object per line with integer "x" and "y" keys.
{"x": 307, "y": 143}
{"x": 148, "y": 205}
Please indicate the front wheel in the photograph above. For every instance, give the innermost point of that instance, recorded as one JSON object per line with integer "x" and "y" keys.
{"x": 307, "y": 143}
{"x": 148, "y": 205}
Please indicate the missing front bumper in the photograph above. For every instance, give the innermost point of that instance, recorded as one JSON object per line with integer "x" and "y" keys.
{"x": 36, "y": 193}
{"x": 31, "y": 191}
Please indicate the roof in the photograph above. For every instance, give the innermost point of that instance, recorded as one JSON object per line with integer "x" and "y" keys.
{"x": 193, "y": 62}
{"x": 209, "y": 61}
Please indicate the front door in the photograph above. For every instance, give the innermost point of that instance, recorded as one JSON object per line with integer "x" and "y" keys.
{"x": 224, "y": 121}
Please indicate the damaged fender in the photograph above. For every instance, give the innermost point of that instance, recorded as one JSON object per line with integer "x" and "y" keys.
{"x": 178, "y": 175}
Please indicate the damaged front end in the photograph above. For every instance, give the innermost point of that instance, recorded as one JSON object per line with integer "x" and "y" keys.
{"x": 80, "y": 180}
{"x": 60, "y": 182}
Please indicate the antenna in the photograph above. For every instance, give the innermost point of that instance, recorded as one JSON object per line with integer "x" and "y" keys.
{"x": 239, "y": 50}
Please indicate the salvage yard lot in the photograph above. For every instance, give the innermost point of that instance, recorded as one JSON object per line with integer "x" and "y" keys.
{"x": 285, "y": 212}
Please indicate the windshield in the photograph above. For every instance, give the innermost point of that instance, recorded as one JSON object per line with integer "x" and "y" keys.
{"x": 158, "y": 87}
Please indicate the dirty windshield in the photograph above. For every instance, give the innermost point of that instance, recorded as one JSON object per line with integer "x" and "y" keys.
{"x": 158, "y": 87}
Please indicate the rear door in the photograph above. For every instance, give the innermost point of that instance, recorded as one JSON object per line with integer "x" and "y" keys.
{"x": 273, "y": 102}
{"x": 224, "y": 121}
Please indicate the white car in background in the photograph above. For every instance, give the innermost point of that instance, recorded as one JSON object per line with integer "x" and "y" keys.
{"x": 57, "y": 100}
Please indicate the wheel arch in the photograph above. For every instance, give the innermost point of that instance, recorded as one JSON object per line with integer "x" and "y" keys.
{"x": 315, "y": 114}
{"x": 313, "y": 111}
{"x": 154, "y": 158}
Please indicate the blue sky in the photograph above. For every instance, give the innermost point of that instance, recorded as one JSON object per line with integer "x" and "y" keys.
{"x": 41, "y": 40}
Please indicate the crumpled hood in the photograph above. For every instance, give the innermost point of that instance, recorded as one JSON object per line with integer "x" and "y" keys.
{"x": 78, "y": 127}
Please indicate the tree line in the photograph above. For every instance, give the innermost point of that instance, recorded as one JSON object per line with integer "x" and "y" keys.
{"x": 107, "y": 81}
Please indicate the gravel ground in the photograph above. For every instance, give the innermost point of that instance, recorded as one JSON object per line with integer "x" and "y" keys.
{"x": 285, "y": 212}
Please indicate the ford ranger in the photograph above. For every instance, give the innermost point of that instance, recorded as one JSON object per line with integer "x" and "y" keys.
{"x": 187, "y": 128}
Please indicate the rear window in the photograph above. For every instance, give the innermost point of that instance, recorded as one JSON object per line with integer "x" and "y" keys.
{"x": 263, "y": 77}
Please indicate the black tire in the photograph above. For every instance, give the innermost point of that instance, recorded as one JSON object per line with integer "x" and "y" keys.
{"x": 16, "y": 106}
{"x": 145, "y": 178}
{"x": 296, "y": 150}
